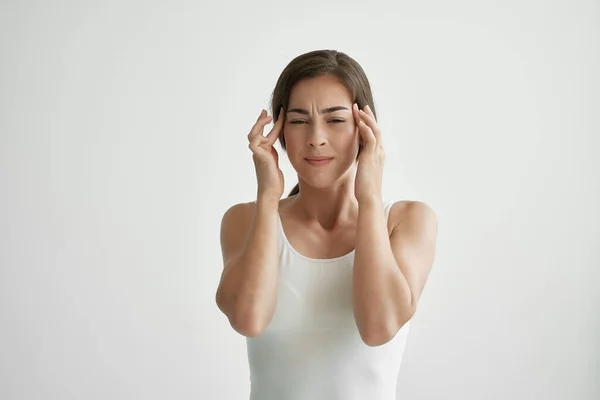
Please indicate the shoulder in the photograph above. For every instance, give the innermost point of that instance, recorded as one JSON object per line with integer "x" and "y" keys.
{"x": 235, "y": 222}
{"x": 411, "y": 211}
{"x": 237, "y": 213}
{"x": 239, "y": 216}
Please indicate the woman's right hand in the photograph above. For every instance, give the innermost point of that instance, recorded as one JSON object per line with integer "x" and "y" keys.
{"x": 266, "y": 160}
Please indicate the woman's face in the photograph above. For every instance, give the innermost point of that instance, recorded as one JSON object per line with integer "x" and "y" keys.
{"x": 319, "y": 122}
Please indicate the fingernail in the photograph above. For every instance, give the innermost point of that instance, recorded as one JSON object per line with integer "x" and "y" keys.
{"x": 355, "y": 106}
{"x": 367, "y": 107}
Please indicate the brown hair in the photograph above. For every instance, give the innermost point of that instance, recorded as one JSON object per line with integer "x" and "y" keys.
{"x": 314, "y": 64}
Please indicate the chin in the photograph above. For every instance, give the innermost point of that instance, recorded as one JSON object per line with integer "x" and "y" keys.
{"x": 317, "y": 183}
{"x": 322, "y": 181}
{"x": 325, "y": 176}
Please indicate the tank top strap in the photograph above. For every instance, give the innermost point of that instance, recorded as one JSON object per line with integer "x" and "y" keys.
{"x": 387, "y": 204}
{"x": 281, "y": 238}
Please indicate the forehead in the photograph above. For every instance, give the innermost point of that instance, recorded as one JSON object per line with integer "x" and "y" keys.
{"x": 324, "y": 90}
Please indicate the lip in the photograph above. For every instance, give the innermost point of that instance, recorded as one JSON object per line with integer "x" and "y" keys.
{"x": 318, "y": 161}
{"x": 318, "y": 158}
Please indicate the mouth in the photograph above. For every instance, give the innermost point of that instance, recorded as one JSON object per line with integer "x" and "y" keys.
{"x": 318, "y": 161}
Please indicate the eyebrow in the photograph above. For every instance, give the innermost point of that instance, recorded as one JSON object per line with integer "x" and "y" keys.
{"x": 324, "y": 111}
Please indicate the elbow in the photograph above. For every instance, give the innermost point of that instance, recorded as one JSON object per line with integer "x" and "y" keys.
{"x": 379, "y": 335}
{"x": 248, "y": 327}
{"x": 244, "y": 322}
{"x": 377, "y": 338}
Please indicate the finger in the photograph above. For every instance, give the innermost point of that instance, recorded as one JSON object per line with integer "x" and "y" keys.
{"x": 370, "y": 120}
{"x": 363, "y": 129}
{"x": 258, "y": 127}
{"x": 366, "y": 133}
{"x": 369, "y": 111}
{"x": 355, "y": 114}
{"x": 257, "y": 141}
{"x": 257, "y": 149}
{"x": 274, "y": 133}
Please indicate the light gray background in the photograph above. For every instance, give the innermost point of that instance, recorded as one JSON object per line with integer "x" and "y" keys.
{"x": 123, "y": 141}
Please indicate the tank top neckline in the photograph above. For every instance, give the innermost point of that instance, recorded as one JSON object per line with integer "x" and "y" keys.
{"x": 302, "y": 256}
{"x": 387, "y": 206}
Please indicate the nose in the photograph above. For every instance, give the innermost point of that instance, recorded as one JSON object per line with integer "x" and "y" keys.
{"x": 316, "y": 136}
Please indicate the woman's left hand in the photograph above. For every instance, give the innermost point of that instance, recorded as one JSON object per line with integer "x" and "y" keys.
{"x": 369, "y": 175}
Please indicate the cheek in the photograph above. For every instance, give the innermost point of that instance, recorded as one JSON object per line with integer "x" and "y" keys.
{"x": 291, "y": 139}
{"x": 350, "y": 135}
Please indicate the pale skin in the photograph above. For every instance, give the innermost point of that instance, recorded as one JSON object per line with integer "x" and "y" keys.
{"x": 339, "y": 208}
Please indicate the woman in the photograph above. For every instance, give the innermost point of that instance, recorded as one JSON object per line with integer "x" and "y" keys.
{"x": 324, "y": 282}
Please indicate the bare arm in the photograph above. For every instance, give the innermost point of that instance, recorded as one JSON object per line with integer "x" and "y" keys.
{"x": 390, "y": 271}
{"x": 247, "y": 291}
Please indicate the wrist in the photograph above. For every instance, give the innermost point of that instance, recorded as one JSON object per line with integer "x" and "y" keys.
{"x": 369, "y": 200}
{"x": 268, "y": 200}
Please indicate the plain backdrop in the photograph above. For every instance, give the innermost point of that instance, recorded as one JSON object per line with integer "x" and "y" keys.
{"x": 123, "y": 141}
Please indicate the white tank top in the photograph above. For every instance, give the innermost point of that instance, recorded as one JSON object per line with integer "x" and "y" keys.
{"x": 312, "y": 349}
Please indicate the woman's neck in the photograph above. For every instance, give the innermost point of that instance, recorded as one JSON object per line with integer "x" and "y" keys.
{"x": 329, "y": 207}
